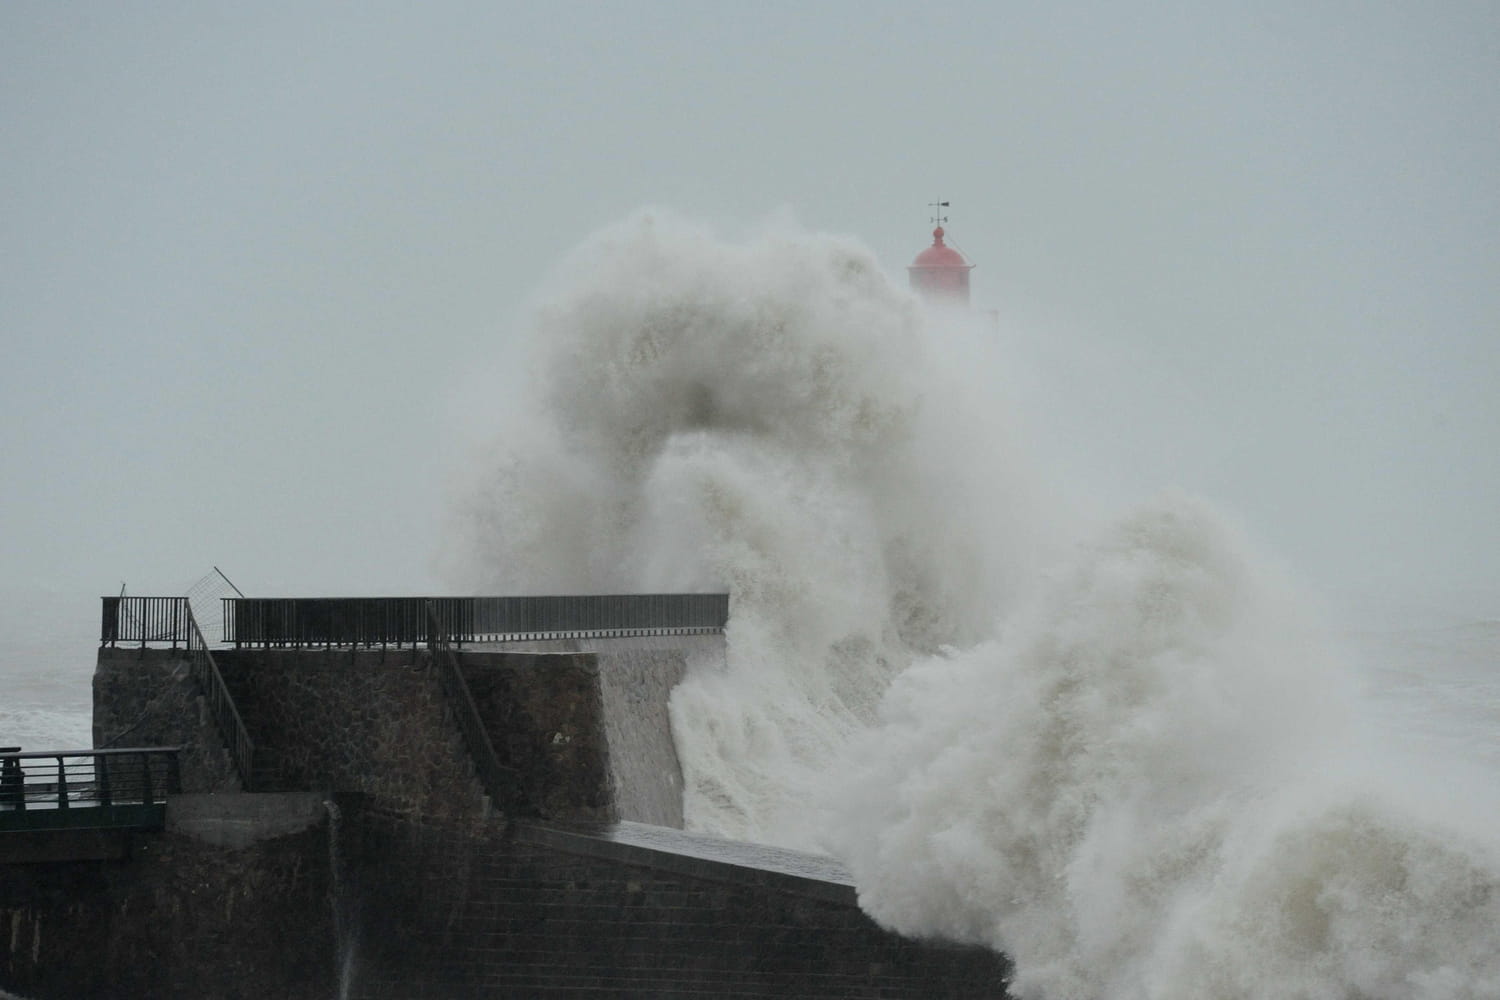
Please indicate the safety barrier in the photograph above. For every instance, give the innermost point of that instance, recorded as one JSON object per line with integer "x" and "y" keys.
{"x": 86, "y": 789}
{"x": 404, "y": 621}
{"x": 144, "y": 620}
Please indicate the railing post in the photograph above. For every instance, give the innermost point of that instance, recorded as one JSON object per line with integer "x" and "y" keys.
{"x": 62, "y": 784}
{"x": 12, "y": 780}
{"x": 146, "y": 796}
{"x": 101, "y": 780}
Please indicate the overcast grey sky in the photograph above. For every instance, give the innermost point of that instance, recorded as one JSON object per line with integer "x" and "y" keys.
{"x": 253, "y": 254}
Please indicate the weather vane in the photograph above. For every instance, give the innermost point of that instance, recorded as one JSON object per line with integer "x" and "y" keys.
{"x": 938, "y": 218}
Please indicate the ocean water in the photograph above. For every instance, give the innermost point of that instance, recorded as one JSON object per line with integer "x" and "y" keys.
{"x": 1125, "y": 747}
{"x": 48, "y": 639}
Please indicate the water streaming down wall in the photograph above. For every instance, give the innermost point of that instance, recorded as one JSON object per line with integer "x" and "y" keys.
{"x": 635, "y": 685}
{"x": 345, "y": 907}
{"x": 1132, "y": 771}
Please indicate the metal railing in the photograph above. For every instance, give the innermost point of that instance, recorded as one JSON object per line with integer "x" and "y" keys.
{"x": 502, "y": 784}
{"x": 211, "y": 682}
{"x": 63, "y": 781}
{"x": 403, "y": 621}
{"x": 144, "y": 620}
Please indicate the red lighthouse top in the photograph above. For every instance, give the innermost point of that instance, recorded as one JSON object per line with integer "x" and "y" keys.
{"x": 940, "y": 254}
{"x": 940, "y": 272}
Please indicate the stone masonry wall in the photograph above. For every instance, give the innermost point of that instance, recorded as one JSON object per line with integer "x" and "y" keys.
{"x": 544, "y": 715}
{"x": 147, "y": 697}
{"x": 587, "y": 729}
{"x": 363, "y": 722}
{"x": 181, "y": 920}
{"x": 437, "y": 898}
{"x": 587, "y": 732}
{"x": 636, "y": 677}
{"x": 459, "y": 914}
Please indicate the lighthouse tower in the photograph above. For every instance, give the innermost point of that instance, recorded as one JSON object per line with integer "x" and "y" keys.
{"x": 940, "y": 273}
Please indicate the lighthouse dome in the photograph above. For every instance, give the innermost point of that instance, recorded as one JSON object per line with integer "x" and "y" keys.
{"x": 940, "y": 273}
{"x": 939, "y": 254}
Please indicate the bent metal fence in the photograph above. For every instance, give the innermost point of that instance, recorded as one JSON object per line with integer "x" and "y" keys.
{"x": 402, "y": 621}
{"x": 74, "y": 789}
{"x": 502, "y": 784}
{"x": 170, "y": 620}
{"x": 144, "y": 620}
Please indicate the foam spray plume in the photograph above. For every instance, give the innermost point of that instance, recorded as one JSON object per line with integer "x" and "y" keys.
{"x": 768, "y": 418}
{"x": 1132, "y": 772}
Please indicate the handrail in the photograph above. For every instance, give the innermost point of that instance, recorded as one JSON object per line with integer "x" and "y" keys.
{"x": 221, "y": 703}
{"x": 72, "y": 779}
{"x": 144, "y": 620}
{"x": 401, "y": 621}
{"x": 501, "y": 783}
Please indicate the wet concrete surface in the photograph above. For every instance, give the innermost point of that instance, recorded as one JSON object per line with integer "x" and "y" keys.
{"x": 700, "y": 856}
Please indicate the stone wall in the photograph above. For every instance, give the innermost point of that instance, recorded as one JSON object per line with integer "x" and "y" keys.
{"x": 354, "y": 722}
{"x": 543, "y": 712}
{"x": 521, "y": 915}
{"x": 602, "y": 732}
{"x": 147, "y": 697}
{"x": 436, "y": 897}
{"x": 586, "y": 732}
{"x": 183, "y": 919}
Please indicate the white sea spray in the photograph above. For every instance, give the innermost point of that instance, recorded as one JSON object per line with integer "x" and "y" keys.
{"x": 1158, "y": 784}
{"x": 775, "y": 418}
{"x": 1150, "y": 774}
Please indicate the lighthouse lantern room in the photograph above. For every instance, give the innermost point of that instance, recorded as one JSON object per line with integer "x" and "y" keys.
{"x": 940, "y": 273}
